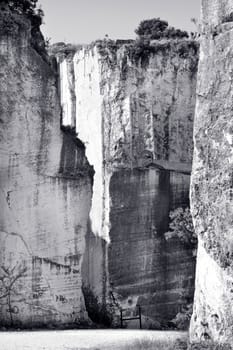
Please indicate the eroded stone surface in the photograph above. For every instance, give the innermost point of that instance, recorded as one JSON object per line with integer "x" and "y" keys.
{"x": 211, "y": 194}
{"x": 144, "y": 268}
{"x": 135, "y": 117}
{"x": 45, "y": 194}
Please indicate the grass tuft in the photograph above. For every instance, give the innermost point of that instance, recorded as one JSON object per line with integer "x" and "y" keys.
{"x": 146, "y": 344}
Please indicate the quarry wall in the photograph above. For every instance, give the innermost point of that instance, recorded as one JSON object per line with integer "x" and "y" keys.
{"x": 94, "y": 156}
{"x": 45, "y": 193}
{"x": 135, "y": 116}
{"x": 96, "y": 151}
{"x": 211, "y": 189}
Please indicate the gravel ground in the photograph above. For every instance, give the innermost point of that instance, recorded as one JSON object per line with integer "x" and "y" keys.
{"x": 87, "y": 339}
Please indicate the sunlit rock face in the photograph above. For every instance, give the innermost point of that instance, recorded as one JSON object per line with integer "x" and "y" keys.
{"x": 45, "y": 193}
{"x": 134, "y": 113}
{"x": 211, "y": 195}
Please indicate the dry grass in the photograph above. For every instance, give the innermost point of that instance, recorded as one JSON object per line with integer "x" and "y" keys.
{"x": 210, "y": 346}
{"x": 145, "y": 344}
{"x": 156, "y": 345}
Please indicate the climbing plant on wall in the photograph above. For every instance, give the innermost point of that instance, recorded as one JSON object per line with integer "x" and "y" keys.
{"x": 181, "y": 227}
{"x": 9, "y": 286}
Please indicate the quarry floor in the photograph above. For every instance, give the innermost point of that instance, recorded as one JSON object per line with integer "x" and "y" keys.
{"x": 91, "y": 339}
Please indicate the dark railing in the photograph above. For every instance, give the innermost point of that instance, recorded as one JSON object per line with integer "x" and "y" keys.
{"x": 125, "y": 318}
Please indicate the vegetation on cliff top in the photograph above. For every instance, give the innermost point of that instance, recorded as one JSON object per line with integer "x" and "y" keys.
{"x": 153, "y": 36}
{"x": 155, "y": 28}
{"x": 26, "y": 7}
{"x": 62, "y": 48}
{"x": 15, "y": 16}
{"x": 141, "y": 50}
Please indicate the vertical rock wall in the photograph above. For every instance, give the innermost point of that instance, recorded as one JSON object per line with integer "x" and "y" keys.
{"x": 211, "y": 194}
{"x": 135, "y": 117}
{"x": 133, "y": 112}
{"x": 45, "y": 191}
{"x": 144, "y": 268}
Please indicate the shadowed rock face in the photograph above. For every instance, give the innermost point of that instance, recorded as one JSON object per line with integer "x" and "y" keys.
{"x": 211, "y": 192}
{"x": 44, "y": 176}
{"x": 144, "y": 268}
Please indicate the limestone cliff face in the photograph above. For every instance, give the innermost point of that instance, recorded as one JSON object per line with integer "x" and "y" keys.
{"x": 133, "y": 109}
{"x": 45, "y": 191}
{"x": 211, "y": 194}
{"x": 65, "y": 239}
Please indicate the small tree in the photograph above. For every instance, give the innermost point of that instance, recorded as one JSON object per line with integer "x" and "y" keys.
{"x": 181, "y": 227}
{"x": 155, "y": 28}
{"x": 151, "y": 28}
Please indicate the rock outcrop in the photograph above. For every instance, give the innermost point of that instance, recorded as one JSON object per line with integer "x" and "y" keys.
{"x": 212, "y": 182}
{"x": 45, "y": 190}
{"x": 133, "y": 108}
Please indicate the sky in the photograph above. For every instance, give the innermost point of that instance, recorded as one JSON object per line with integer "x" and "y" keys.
{"x": 82, "y": 21}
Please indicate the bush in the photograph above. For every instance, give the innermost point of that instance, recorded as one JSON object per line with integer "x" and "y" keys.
{"x": 151, "y": 28}
{"x": 154, "y": 29}
{"x": 63, "y": 48}
{"x": 98, "y": 312}
{"x": 182, "y": 319}
{"x": 27, "y": 7}
{"x": 142, "y": 50}
{"x": 12, "y": 20}
{"x": 157, "y": 29}
{"x": 181, "y": 227}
